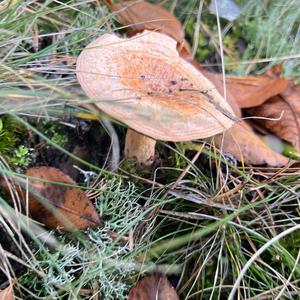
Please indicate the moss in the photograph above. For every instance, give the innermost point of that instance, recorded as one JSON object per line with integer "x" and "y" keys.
{"x": 54, "y": 132}
{"x": 21, "y": 157}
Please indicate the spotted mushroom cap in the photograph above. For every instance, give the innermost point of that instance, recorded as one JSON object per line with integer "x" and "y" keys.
{"x": 142, "y": 82}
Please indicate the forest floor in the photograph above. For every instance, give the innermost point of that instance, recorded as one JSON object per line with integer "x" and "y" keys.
{"x": 211, "y": 223}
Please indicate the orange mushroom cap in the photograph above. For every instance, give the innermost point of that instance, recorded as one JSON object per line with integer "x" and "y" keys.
{"x": 143, "y": 82}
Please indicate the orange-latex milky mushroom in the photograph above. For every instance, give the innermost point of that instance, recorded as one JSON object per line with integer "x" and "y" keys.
{"x": 142, "y": 82}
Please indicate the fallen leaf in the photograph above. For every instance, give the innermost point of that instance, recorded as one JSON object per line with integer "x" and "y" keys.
{"x": 252, "y": 91}
{"x": 245, "y": 145}
{"x": 68, "y": 208}
{"x": 240, "y": 140}
{"x": 153, "y": 287}
{"x": 217, "y": 80}
{"x": 286, "y": 103}
{"x": 7, "y": 293}
{"x": 141, "y": 15}
{"x": 241, "y": 90}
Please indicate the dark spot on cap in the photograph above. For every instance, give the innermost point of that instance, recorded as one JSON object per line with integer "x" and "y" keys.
{"x": 170, "y": 91}
{"x": 150, "y": 94}
{"x": 183, "y": 79}
{"x": 173, "y": 82}
{"x": 143, "y": 77}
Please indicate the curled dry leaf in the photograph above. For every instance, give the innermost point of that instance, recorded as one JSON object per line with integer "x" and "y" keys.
{"x": 252, "y": 91}
{"x": 286, "y": 105}
{"x": 141, "y": 15}
{"x": 240, "y": 140}
{"x": 153, "y": 287}
{"x": 217, "y": 80}
{"x": 245, "y": 145}
{"x": 68, "y": 207}
{"x": 71, "y": 203}
{"x": 7, "y": 293}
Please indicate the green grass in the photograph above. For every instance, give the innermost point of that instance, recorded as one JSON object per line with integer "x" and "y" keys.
{"x": 267, "y": 32}
{"x": 200, "y": 219}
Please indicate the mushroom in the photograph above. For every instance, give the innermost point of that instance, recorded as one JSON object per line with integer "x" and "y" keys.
{"x": 142, "y": 82}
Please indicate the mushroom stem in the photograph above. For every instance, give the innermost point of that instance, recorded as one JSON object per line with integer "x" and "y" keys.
{"x": 139, "y": 147}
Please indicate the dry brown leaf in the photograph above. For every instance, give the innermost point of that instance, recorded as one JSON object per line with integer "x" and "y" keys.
{"x": 240, "y": 140}
{"x": 75, "y": 210}
{"x": 250, "y": 91}
{"x": 7, "y": 293}
{"x": 217, "y": 80}
{"x": 72, "y": 203}
{"x": 153, "y": 287}
{"x": 245, "y": 145}
{"x": 141, "y": 15}
{"x": 287, "y": 104}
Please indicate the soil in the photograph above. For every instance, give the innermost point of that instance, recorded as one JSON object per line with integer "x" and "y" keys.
{"x": 87, "y": 140}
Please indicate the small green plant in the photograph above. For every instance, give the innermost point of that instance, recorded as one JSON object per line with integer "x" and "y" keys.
{"x": 22, "y": 156}
{"x": 53, "y": 132}
{"x": 59, "y": 139}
